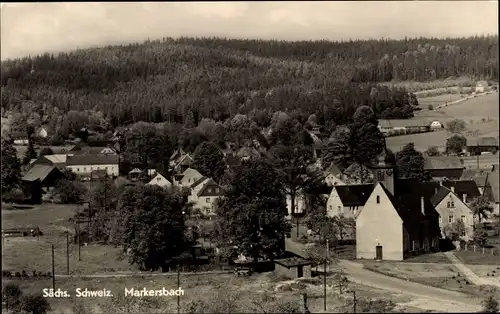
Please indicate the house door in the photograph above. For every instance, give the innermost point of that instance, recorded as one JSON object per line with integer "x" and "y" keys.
{"x": 378, "y": 252}
{"x": 300, "y": 272}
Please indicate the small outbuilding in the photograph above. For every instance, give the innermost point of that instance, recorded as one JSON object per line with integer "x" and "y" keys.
{"x": 293, "y": 267}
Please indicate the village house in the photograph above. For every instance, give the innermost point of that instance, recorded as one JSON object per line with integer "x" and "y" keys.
{"x": 394, "y": 226}
{"x": 134, "y": 174}
{"x": 465, "y": 189}
{"x": 477, "y": 146}
{"x": 247, "y": 153}
{"x": 187, "y": 178}
{"x": 184, "y": 163}
{"x": 357, "y": 174}
{"x": 495, "y": 191}
{"x": 84, "y": 164}
{"x": 58, "y": 160}
{"x": 42, "y": 132}
{"x": 160, "y": 181}
{"x": 20, "y": 138}
{"x": 39, "y": 180}
{"x": 83, "y": 149}
{"x": 481, "y": 86}
{"x": 333, "y": 176}
{"x": 436, "y": 125}
{"x": 452, "y": 208}
{"x": 348, "y": 200}
{"x": 440, "y": 167}
{"x": 481, "y": 178}
{"x": 204, "y": 193}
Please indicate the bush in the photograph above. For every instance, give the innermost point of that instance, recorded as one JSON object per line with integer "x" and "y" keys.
{"x": 35, "y": 304}
{"x": 490, "y": 305}
{"x": 69, "y": 191}
{"x": 430, "y": 107}
{"x": 18, "y": 274}
{"x": 11, "y": 295}
{"x": 14, "y": 196}
{"x": 6, "y": 273}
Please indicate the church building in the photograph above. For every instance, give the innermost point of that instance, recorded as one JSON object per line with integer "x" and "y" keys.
{"x": 395, "y": 222}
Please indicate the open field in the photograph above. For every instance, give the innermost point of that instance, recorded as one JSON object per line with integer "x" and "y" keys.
{"x": 472, "y": 111}
{"x": 441, "y": 275}
{"x": 246, "y": 291}
{"x": 30, "y": 254}
{"x": 424, "y": 102}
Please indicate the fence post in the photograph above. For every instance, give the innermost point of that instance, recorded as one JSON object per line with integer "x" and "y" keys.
{"x": 483, "y": 250}
{"x": 474, "y": 248}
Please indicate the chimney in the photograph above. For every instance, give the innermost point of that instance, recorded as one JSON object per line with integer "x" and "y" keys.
{"x": 422, "y": 205}
{"x": 464, "y": 197}
{"x": 452, "y": 189}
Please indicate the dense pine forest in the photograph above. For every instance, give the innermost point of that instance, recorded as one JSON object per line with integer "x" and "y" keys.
{"x": 171, "y": 79}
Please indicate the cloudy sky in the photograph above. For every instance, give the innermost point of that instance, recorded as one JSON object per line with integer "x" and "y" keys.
{"x": 32, "y": 28}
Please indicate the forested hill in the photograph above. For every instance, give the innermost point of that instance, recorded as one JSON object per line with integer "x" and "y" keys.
{"x": 217, "y": 78}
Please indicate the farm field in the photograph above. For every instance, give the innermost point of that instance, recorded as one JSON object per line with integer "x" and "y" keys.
{"x": 424, "y": 102}
{"x": 472, "y": 111}
{"x": 30, "y": 253}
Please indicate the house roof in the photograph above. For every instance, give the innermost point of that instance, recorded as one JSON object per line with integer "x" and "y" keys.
{"x": 190, "y": 173}
{"x": 154, "y": 180}
{"x": 333, "y": 169}
{"x": 208, "y": 183}
{"x": 409, "y": 211}
{"x": 78, "y": 160}
{"x": 185, "y": 160}
{"x": 482, "y": 141}
{"x": 88, "y": 150}
{"x": 440, "y": 195}
{"x": 442, "y": 163}
{"x": 198, "y": 183}
{"x": 135, "y": 170}
{"x": 349, "y": 170}
{"x": 57, "y": 158}
{"x": 247, "y": 152}
{"x": 39, "y": 172}
{"x": 354, "y": 195}
{"x": 400, "y": 123}
{"x": 468, "y": 187}
{"x": 413, "y": 187}
{"x": 293, "y": 262}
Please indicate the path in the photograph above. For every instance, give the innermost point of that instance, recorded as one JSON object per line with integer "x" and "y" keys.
{"x": 424, "y": 297}
{"x": 475, "y": 279}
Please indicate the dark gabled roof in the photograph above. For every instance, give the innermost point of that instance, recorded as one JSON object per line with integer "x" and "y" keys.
{"x": 293, "y": 262}
{"x": 414, "y": 187}
{"x": 413, "y": 202}
{"x": 39, "y": 172}
{"x": 209, "y": 184}
{"x": 468, "y": 187}
{"x": 354, "y": 195}
{"x": 407, "y": 210}
{"x": 442, "y": 162}
{"x": 80, "y": 160}
{"x": 440, "y": 195}
{"x": 323, "y": 189}
{"x": 478, "y": 176}
{"x": 186, "y": 160}
{"x": 198, "y": 182}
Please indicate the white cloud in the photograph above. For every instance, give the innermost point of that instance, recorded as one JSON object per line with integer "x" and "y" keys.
{"x": 31, "y": 28}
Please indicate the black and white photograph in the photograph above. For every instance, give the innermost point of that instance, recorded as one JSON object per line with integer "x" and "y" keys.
{"x": 250, "y": 157}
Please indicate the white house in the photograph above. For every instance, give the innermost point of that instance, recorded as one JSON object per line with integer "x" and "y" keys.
{"x": 204, "y": 193}
{"x": 348, "y": 200}
{"x": 84, "y": 164}
{"x": 451, "y": 209}
{"x": 436, "y": 125}
{"x": 42, "y": 132}
{"x": 333, "y": 176}
{"x": 161, "y": 181}
{"x": 187, "y": 178}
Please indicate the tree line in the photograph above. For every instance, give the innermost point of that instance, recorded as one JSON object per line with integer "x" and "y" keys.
{"x": 184, "y": 79}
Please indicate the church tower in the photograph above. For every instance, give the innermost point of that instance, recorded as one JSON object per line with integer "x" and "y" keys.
{"x": 384, "y": 169}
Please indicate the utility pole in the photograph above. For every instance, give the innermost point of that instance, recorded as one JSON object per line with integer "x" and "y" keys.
{"x": 354, "y": 301}
{"x": 53, "y": 271}
{"x": 477, "y": 154}
{"x": 67, "y": 253}
{"x": 178, "y": 287}
{"x": 324, "y": 278}
{"x": 327, "y": 250}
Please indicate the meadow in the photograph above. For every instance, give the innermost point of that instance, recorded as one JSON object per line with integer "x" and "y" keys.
{"x": 480, "y": 114}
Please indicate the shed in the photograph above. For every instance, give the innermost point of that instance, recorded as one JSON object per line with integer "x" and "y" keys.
{"x": 294, "y": 266}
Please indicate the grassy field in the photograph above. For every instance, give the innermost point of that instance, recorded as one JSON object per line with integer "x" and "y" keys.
{"x": 30, "y": 253}
{"x": 243, "y": 292}
{"x": 439, "y": 275}
{"x": 471, "y": 111}
{"x": 424, "y": 102}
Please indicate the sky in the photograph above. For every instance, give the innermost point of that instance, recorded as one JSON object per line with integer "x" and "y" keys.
{"x": 33, "y": 28}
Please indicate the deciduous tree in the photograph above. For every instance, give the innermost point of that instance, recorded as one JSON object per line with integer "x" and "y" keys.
{"x": 455, "y": 144}
{"x": 410, "y": 163}
{"x": 209, "y": 161}
{"x": 11, "y": 167}
{"x": 252, "y": 212}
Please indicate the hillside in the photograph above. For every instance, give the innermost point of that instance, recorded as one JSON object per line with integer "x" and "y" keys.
{"x": 217, "y": 78}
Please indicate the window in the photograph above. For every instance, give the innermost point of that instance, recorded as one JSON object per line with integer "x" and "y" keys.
{"x": 339, "y": 208}
{"x": 462, "y": 234}
{"x": 208, "y": 199}
{"x": 451, "y": 219}
{"x": 209, "y": 190}
{"x": 158, "y": 179}
{"x": 450, "y": 204}
{"x": 217, "y": 190}
{"x": 330, "y": 207}
{"x": 378, "y": 199}
{"x": 78, "y": 169}
{"x": 463, "y": 219}
{"x": 84, "y": 168}
{"x": 440, "y": 220}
